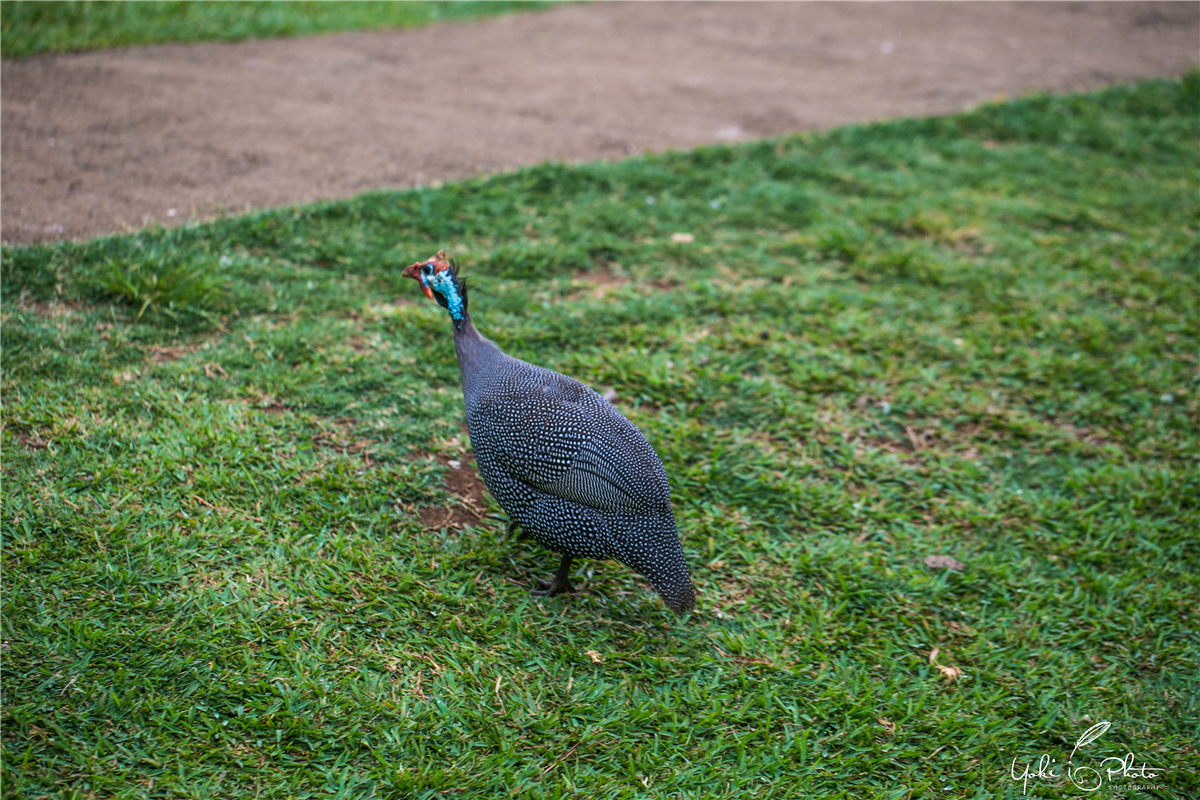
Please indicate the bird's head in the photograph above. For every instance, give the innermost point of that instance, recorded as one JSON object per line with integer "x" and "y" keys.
{"x": 439, "y": 280}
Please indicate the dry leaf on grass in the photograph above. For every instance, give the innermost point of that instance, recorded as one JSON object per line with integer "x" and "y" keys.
{"x": 949, "y": 673}
{"x": 943, "y": 562}
{"x": 212, "y": 369}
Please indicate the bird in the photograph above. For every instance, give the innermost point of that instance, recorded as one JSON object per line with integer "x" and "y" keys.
{"x": 565, "y": 465}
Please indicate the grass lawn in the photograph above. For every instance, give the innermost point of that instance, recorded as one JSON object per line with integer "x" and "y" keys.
{"x": 972, "y": 336}
{"x": 30, "y": 27}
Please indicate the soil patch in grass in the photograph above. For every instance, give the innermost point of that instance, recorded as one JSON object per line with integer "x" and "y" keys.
{"x": 111, "y": 141}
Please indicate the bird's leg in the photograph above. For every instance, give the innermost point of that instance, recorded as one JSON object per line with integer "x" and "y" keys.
{"x": 562, "y": 581}
{"x": 521, "y": 534}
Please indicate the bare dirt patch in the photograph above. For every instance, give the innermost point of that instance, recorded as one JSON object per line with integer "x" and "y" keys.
{"x": 261, "y": 401}
{"x": 596, "y": 282}
{"x": 58, "y": 309}
{"x": 271, "y": 406}
{"x": 601, "y": 276}
{"x": 96, "y": 143}
{"x": 32, "y": 440}
{"x": 340, "y": 438}
{"x": 462, "y": 480}
{"x": 165, "y": 355}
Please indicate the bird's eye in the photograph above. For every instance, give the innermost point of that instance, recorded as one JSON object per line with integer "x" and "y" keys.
{"x": 427, "y": 269}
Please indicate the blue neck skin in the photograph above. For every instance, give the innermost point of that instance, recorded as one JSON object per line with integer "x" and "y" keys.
{"x": 443, "y": 284}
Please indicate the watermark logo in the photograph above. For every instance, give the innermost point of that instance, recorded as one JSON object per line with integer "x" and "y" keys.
{"x": 1086, "y": 778}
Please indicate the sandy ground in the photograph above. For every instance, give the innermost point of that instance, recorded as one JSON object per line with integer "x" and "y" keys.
{"x": 96, "y": 143}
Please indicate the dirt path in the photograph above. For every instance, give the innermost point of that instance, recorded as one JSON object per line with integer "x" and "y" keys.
{"x": 101, "y": 142}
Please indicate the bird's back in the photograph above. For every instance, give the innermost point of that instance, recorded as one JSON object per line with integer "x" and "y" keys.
{"x": 560, "y": 436}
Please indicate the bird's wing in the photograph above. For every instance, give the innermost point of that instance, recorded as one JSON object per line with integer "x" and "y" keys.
{"x": 561, "y": 437}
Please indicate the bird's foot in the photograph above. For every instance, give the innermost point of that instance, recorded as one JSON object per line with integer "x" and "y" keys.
{"x": 561, "y": 582}
{"x": 551, "y": 588}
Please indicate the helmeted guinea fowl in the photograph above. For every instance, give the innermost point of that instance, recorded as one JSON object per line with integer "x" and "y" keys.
{"x": 562, "y": 462}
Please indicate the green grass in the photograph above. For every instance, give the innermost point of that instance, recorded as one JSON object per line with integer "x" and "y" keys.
{"x": 972, "y": 336}
{"x": 29, "y": 28}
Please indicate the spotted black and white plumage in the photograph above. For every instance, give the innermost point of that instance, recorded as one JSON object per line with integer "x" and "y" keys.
{"x": 562, "y": 462}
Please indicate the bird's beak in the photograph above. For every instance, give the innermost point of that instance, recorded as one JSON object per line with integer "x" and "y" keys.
{"x": 413, "y": 271}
